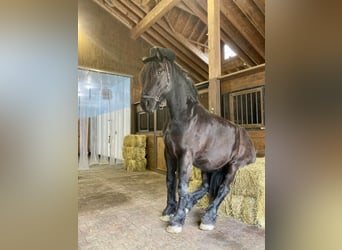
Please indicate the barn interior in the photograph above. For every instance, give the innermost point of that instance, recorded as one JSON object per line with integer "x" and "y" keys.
{"x": 221, "y": 44}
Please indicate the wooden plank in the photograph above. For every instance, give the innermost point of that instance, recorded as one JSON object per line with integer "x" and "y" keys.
{"x": 200, "y": 12}
{"x": 253, "y": 14}
{"x": 214, "y": 52}
{"x": 258, "y": 138}
{"x": 214, "y": 45}
{"x": 247, "y": 29}
{"x": 236, "y": 36}
{"x": 261, "y": 5}
{"x": 191, "y": 47}
{"x": 153, "y": 16}
{"x": 232, "y": 65}
{"x": 244, "y": 80}
{"x": 164, "y": 37}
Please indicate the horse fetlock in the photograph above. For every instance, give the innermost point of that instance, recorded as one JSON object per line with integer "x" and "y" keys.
{"x": 208, "y": 219}
{"x": 177, "y": 220}
{"x": 170, "y": 209}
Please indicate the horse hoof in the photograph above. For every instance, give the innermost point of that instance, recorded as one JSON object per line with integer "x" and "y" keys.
{"x": 206, "y": 227}
{"x": 166, "y": 217}
{"x": 174, "y": 229}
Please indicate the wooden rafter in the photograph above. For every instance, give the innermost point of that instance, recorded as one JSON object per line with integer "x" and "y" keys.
{"x": 163, "y": 32}
{"x": 246, "y": 28}
{"x": 153, "y": 16}
{"x": 186, "y": 42}
{"x": 200, "y": 12}
{"x": 236, "y": 36}
{"x": 182, "y": 25}
{"x": 261, "y": 5}
{"x": 253, "y": 13}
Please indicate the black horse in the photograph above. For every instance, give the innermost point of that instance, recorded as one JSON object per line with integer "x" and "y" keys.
{"x": 193, "y": 137}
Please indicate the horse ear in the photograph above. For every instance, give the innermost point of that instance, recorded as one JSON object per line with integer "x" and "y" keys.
{"x": 158, "y": 54}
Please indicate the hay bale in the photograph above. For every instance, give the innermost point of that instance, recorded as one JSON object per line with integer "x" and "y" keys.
{"x": 250, "y": 179}
{"x": 135, "y": 165}
{"x": 133, "y": 153}
{"x": 246, "y": 199}
{"x": 135, "y": 141}
{"x": 194, "y": 185}
{"x": 196, "y": 174}
{"x": 260, "y": 205}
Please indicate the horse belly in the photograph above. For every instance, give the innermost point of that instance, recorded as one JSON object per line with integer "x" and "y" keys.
{"x": 210, "y": 163}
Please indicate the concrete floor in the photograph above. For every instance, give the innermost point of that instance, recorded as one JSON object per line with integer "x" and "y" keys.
{"x": 120, "y": 210}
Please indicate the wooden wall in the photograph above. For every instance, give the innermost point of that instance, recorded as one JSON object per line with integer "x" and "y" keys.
{"x": 247, "y": 79}
{"x": 243, "y": 79}
{"x": 105, "y": 44}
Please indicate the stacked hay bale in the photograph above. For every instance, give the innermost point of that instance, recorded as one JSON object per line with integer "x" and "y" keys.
{"x": 246, "y": 199}
{"x": 134, "y": 152}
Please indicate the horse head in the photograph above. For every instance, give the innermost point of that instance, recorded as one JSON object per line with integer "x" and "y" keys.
{"x": 155, "y": 77}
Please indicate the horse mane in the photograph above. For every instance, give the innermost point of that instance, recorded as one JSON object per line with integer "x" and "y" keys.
{"x": 191, "y": 90}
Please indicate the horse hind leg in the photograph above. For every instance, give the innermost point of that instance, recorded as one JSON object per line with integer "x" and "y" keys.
{"x": 209, "y": 219}
{"x": 195, "y": 196}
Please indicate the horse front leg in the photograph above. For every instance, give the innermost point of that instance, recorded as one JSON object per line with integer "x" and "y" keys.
{"x": 177, "y": 221}
{"x": 171, "y": 181}
{"x": 195, "y": 196}
{"x": 209, "y": 219}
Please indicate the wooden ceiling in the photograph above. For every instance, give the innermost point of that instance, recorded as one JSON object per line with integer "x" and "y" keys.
{"x": 182, "y": 26}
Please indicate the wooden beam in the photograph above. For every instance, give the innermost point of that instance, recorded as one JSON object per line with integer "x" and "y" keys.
{"x": 261, "y": 5}
{"x": 232, "y": 65}
{"x": 185, "y": 41}
{"x": 247, "y": 29}
{"x": 162, "y": 32}
{"x": 126, "y": 12}
{"x": 191, "y": 47}
{"x": 202, "y": 15}
{"x": 253, "y": 14}
{"x": 153, "y": 16}
{"x": 214, "y": 51}
{"x": 236, "y": 36}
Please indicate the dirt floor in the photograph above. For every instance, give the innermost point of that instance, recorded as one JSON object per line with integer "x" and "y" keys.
{"x": 121, "y": 210}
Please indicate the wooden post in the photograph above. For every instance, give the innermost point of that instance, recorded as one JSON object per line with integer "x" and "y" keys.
{"x": 214, "y": 56}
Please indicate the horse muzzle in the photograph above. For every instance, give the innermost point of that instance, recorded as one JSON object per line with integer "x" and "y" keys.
{"x": 149, "y": 103}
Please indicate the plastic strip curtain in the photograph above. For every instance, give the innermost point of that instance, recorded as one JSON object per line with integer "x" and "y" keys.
{"x": 104, "y": 114}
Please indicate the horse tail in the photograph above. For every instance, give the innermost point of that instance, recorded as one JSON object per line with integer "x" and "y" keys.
{"x": 216, "y": 180}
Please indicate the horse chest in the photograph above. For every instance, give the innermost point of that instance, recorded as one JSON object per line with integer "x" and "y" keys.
{"x": 178, "y": 140}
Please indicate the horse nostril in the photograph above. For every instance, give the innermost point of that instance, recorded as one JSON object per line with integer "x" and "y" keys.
{"x": 147, "y": 103}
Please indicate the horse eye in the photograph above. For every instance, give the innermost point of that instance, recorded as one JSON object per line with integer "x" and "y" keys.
{"x": 159, "y": 72}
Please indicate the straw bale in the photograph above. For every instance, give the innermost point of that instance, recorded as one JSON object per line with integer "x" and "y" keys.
{"x": 260, "y": 205}
{"x": 135, "y": 165}
{"x": 246, "y": 199}
{"x": 133, "y": 153}
{"x": 194, "y": 185}
{"x": 250, "y": 179}
{"x": 195, "y": 174}
{"x": 135, "y": 141}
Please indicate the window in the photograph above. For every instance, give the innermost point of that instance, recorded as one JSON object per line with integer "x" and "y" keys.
{"x": 228, "y": 52}
{"x": 245, "y": 107}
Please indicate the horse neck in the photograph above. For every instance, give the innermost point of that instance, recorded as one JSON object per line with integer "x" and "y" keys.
{"x": 179, "y": 102}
